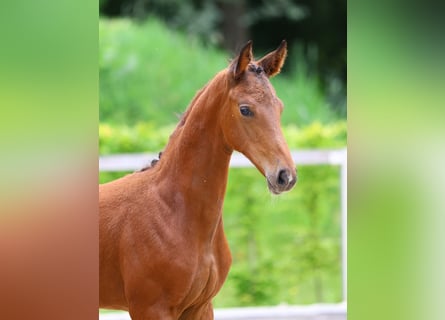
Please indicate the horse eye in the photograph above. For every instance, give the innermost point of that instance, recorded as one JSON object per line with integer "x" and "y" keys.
{"x": 245, "y": 111}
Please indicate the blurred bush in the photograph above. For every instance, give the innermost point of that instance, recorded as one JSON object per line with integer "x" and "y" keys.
{"x": 286, "y": 248}
{"x": 148, "y": 72}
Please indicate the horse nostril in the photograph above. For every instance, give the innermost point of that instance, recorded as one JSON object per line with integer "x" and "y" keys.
{"x": 283, "y": 178}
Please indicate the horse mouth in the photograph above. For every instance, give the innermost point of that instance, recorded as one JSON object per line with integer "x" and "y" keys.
{"x": 273, "y": 188}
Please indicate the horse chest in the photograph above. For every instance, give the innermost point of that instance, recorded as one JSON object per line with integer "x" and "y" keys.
{"x": 205, "y": 279}
{"x": 210, "y": 273}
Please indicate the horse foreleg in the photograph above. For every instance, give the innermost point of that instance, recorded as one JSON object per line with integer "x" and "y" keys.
{"x": 140, "y": 312}
{"x": 201, "y": 312}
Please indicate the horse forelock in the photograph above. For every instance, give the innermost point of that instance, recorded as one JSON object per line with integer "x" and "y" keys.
{"x": 255, "y": 68}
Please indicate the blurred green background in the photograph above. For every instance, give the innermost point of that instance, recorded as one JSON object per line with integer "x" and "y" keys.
{"x": 155, "y": 55}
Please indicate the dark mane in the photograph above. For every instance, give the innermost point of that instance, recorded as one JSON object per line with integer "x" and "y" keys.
{"x": 255, "y": 68}
{"x": 151, "y": 164}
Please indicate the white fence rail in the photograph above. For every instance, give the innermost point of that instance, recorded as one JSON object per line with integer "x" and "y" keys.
{"x": 309, "y": 312}
{"x": 338, "y": 157}
{"x": 136, "y": 161}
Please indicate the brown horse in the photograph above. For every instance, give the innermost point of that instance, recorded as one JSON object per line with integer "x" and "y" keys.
{"x": 163, "y": 252}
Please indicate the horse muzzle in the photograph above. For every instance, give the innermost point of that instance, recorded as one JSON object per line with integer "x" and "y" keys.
{"x": 282, "y": 181}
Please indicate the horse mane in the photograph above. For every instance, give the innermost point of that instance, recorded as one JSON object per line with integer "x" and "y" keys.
{"x": 183, "y": 119}
{"x": 186, "y": 113}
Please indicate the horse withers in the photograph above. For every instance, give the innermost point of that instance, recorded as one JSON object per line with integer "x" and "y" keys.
{"x": 163, "y": 251}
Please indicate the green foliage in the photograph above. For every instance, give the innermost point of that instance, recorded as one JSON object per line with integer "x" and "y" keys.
{"x": 286, "y": 248}
{"x": 302, "y": 95}
{"x": 149, "y": 73}
{"x": 139, "y": 138}
{"x": 317, "y": 135}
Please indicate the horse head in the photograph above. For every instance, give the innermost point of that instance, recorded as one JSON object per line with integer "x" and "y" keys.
{"x": 251, "y": 116}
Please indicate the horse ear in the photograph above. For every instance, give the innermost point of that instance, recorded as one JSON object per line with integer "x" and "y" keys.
{"x": 243, "y": 60}
{"x": 273, "y": 61}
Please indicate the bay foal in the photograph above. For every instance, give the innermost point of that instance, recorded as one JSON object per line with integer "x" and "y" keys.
{"x": 163, "y": 252}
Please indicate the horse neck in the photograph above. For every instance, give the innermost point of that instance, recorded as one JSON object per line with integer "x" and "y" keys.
{"x": 196, "y": 160}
